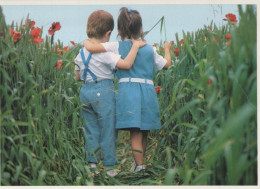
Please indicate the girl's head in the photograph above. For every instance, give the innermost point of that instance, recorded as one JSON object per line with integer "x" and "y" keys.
{"x": 99, "y": 23}
{"x": 129, "y": 24}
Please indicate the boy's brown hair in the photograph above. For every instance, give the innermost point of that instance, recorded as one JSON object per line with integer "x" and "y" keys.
{"x": 99, "y": 22}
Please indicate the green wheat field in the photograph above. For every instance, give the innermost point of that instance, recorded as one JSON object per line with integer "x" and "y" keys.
{"x": 208, "y": 107}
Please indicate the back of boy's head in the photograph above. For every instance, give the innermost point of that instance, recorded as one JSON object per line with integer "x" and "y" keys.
{"x": 99, "y": 23}
{"x": 129, "y": 24}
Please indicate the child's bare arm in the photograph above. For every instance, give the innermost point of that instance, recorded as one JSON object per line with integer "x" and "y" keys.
{"x": 127, "y": 63}
{"x": 94, "y": 47}
{"x": 77, "y": 75}
{"x": 123, "y": 64}
{"x": 167, "y": 55}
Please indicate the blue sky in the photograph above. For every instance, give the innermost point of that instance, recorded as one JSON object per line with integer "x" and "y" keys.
{"x": 73, "y": 18}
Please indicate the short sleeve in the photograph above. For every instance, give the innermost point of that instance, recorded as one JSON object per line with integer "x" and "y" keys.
{"x": 159, "y": 60}
{"x": 78, "y": 61}
{"x": 108, "y": 58}
{"x": 111, "y": 47}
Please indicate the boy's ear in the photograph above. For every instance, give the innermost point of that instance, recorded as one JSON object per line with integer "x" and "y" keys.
{"x": 108, "y": 33}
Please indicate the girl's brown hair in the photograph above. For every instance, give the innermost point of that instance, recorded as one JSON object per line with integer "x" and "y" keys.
{"x": 99, "y": 22}
{"x": 129, "y": 24}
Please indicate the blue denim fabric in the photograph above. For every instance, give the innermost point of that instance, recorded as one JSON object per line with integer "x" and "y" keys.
{"x": 98, "y": 110}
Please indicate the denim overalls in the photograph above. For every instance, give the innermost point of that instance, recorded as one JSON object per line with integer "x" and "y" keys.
{"x": 98, "y": 110}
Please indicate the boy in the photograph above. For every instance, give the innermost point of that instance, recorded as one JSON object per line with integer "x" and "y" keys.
{"x": 98, "y": 93}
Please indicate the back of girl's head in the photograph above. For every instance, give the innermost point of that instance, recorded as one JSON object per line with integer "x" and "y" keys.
{"x": 129, "y": 24}
{"x": 99, "y": 22}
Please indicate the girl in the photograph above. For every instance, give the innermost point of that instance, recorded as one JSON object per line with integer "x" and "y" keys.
{"x": 137, "y": 107}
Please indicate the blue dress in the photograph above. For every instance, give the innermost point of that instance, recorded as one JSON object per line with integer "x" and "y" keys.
{"x": 136, "y": 103}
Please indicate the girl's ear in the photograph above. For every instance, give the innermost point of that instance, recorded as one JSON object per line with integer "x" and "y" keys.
{"x": 119, "y": 33}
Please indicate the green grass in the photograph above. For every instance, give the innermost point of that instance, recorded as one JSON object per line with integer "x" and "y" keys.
{"x": 208, "y": 134}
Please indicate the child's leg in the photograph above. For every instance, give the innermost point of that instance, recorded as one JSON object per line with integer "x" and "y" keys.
{"x": 105, "y": 107}
{"x": 145, "y": 134}
{"x": 92, "y": 133}
{"x": 136, "y": 137}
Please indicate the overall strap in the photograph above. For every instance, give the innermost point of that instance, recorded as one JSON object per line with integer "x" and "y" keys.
{"x": 86, "y": 62}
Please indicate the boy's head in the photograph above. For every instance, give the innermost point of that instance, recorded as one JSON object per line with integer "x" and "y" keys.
{"x": 99, "y": 23}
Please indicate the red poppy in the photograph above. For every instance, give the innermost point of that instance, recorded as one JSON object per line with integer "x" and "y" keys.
{"x": 59, "y": 65}
{"x": 176, "y": 51}
{"x": 155, "y": 44}
{"x": 232, "y": 18}
{"x": 182, "y": 42}
{"x": 65, "y": 48}
{"x": 161, "y": 48}
{"x": 228, "y": 36}
{"x": 36, "y": 32}
{"x": 73, "y": 43}
{"x": 28, "y": 21}
{"x": 17, "y": 36}
{"x": 12, "y": 32}
{"x": 172, "y": 42}
{"x": 209, "y": 82}
{"x": 54, "y": 27}
{"x": 216, "y": 39}
{"x": 157, "y": 89}
{"x": 32, "y": 24}
{"x": 37, "y": 40}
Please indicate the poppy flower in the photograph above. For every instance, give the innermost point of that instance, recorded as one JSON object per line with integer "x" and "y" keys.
{"x": 54, "y": 27}
{"x": 172, "y": 42}
{"x": 12, "y": 32}
{"x": 66, "y": 48}
{"x": 32, "y": 24}
{"x": 155, "y": 44}
{"x": 36, "y": 32}
{"x": 157, "y": 89}
{"x": 28, "y": 21}
{"x": 209, "y": 82}
{"x": 37, "y": 40}
{"x": 228, "y": 36}
{"x": 182, "y": 42}
{"x": 176, "y": 51}
{"x": 161, "y": 48}
{"x": 59, "y": 64}
{"x": 216, "y": 39}
{"x": 17, "y": 35}
{"x": 232, "y": 18}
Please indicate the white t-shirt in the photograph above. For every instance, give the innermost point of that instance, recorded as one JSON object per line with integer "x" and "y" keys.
{"x": 101, "y": 64}
{"x": 158, "y": 59}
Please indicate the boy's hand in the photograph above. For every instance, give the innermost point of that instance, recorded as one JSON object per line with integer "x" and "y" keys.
{"x": 167, "y": 46}
{"x": 138, "y": 43}
{"x": 93, "y": 47}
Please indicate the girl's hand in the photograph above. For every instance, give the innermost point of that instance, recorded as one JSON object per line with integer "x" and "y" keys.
{"x": 167, "y": 46}
{"x": 167, "y": 55}
{"x": 138, "y": 43}
{"x": 86, "y": 43}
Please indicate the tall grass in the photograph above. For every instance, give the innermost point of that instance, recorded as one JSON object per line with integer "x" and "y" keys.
{"x": 209, "y": 128}
{"x": 208, "y": 134}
